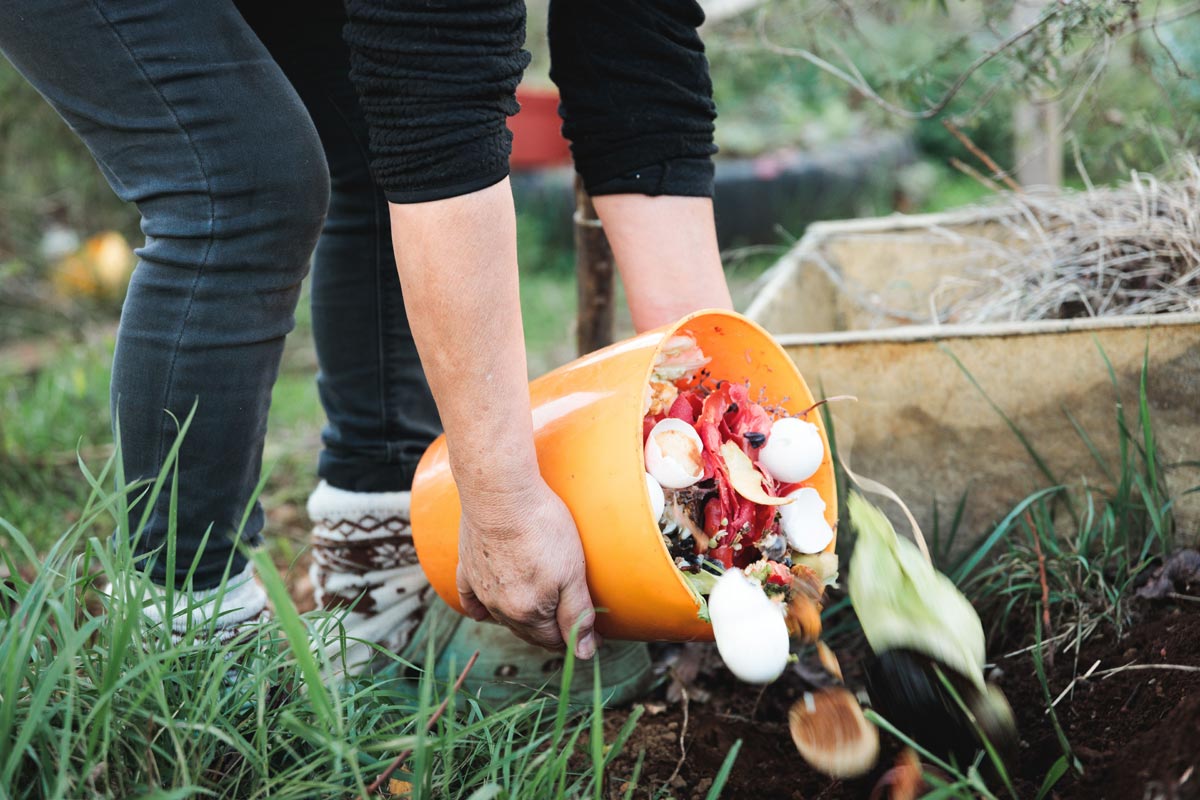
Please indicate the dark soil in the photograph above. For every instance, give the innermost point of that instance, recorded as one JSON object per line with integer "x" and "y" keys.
{"x": 1135, "y": 732}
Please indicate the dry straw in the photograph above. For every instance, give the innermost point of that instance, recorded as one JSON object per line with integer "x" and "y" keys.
{"x": 1129, "y": 249}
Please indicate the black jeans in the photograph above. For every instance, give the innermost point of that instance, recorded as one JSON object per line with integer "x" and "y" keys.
{"x": 236, "y": 131}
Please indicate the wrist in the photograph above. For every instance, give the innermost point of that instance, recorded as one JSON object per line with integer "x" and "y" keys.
{"x": 497, "y": 513}
{"x": 495, "y": 477}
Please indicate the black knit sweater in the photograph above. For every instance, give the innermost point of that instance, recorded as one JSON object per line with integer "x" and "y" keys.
{"x": 437, "y": 79}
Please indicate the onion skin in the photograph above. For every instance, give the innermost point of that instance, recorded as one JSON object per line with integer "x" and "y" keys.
{"x": 832, "y": 734}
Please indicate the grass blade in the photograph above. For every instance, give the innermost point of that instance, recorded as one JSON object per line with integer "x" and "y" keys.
{"x": 718, "y": 784}
{"x": 1057, "y": 770}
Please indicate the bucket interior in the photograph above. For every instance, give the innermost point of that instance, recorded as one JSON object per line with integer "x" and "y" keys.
{"x": 742, "y": 352}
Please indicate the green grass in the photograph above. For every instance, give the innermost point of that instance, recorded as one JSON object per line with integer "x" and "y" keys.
{"x": 1074, "y": 554}
{"x": 95, "y": 702}
{"x": 45, "y": 420}
{"x": 1095, "y": 541}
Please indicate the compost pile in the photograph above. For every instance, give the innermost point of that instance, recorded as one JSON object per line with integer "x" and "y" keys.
{"x": 1130, "y": 249}
{"x": 728, "y": 481}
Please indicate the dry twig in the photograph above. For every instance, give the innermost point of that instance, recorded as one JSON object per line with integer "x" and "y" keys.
{"x": 978, "y": 152}
{"x": 1041, "y": 559}
{"x": 682, "y": 731}
{"x": 441, "y": 709}
{"x": 1105, "y": 673}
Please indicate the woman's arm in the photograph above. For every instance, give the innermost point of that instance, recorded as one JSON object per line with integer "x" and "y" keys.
{"x": 519, "y": 553}
{"x": 666, "y": 250}
{"x": 436, "y": 82}
{"x": 638, "y": 109}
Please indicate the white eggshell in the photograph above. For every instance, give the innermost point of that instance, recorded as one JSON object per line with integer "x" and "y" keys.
{"x": 673, "y": 454}
{"x": 803, "y": 521}
{"x": 658, "y": 501}
{"x": 750, "y": 630}
{"x": 793, "y": 451}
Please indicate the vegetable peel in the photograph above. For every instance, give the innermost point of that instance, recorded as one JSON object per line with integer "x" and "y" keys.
{"x": 903, "y": 602}
{"x": 745, "y": 478}
{"x": 831, "y": 732}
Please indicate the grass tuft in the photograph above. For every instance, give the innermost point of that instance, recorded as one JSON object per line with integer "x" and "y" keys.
{"x": 97, "y": 702}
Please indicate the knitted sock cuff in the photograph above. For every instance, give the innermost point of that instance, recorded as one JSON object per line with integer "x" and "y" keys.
{"x": 339, "y": 514}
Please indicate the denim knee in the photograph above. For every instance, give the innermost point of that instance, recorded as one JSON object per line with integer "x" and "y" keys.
{"x": 290, "y": 205}
{"x": 247, "y": 216}
{"x": 274, "y": 219}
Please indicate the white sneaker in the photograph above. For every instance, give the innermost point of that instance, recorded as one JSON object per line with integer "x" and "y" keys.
{"x": 225, "y": 613}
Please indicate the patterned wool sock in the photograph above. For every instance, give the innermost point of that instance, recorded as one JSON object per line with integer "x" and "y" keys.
{"x": 364, "y": 566}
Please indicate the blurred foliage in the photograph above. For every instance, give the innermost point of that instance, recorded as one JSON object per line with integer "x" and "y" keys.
{"x": 1124, "y": 72}
{"x": 47, "y": 176}
{"x": 49, "y": 185}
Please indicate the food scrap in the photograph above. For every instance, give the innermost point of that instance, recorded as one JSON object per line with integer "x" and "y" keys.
{"x": 832, "y": 733}
{"x": 736, "y": 513}
{"x": 728, "y": 480}
{"x": 927, "y": 674}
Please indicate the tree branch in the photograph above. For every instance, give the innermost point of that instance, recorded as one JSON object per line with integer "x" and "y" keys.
{"x": 865, "y": 89}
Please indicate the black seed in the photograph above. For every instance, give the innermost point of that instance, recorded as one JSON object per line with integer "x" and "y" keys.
{"x": 733, "y": 408}
{"x": 756, "y": 439}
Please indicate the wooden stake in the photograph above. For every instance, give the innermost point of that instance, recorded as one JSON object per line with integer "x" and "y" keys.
{"x": 594, "y": 269}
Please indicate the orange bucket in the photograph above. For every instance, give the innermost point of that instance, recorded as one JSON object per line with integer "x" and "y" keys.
{"x": 587, "y": 420}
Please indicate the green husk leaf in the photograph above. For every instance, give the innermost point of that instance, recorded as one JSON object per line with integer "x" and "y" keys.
{"x": 903, "y": 602}
{"x": 703, "y": 581}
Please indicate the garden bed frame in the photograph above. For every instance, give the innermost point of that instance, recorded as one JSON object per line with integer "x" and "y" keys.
{"x": 938, "y": 404}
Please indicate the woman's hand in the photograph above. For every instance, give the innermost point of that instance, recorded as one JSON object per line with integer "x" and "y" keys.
{"x": 520, "y": 562}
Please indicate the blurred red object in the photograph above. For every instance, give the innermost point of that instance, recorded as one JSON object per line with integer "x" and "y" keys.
{"x": 537, "y": 131}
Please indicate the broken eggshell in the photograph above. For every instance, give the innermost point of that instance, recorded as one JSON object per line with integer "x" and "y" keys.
{"x": 803, "y": 521}
{"x": 673, "y": 454}
{"x": 749, "y": 627}
{"x": 793, "y": 452}
{"x": 658, "y": 500}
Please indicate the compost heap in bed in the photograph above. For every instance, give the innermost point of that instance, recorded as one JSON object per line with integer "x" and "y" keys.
{"x": 727, "y": 476}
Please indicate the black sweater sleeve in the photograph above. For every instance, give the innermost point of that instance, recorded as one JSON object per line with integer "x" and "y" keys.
{"x": 436, "y": 81}
{"x": 636, "y": 95}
